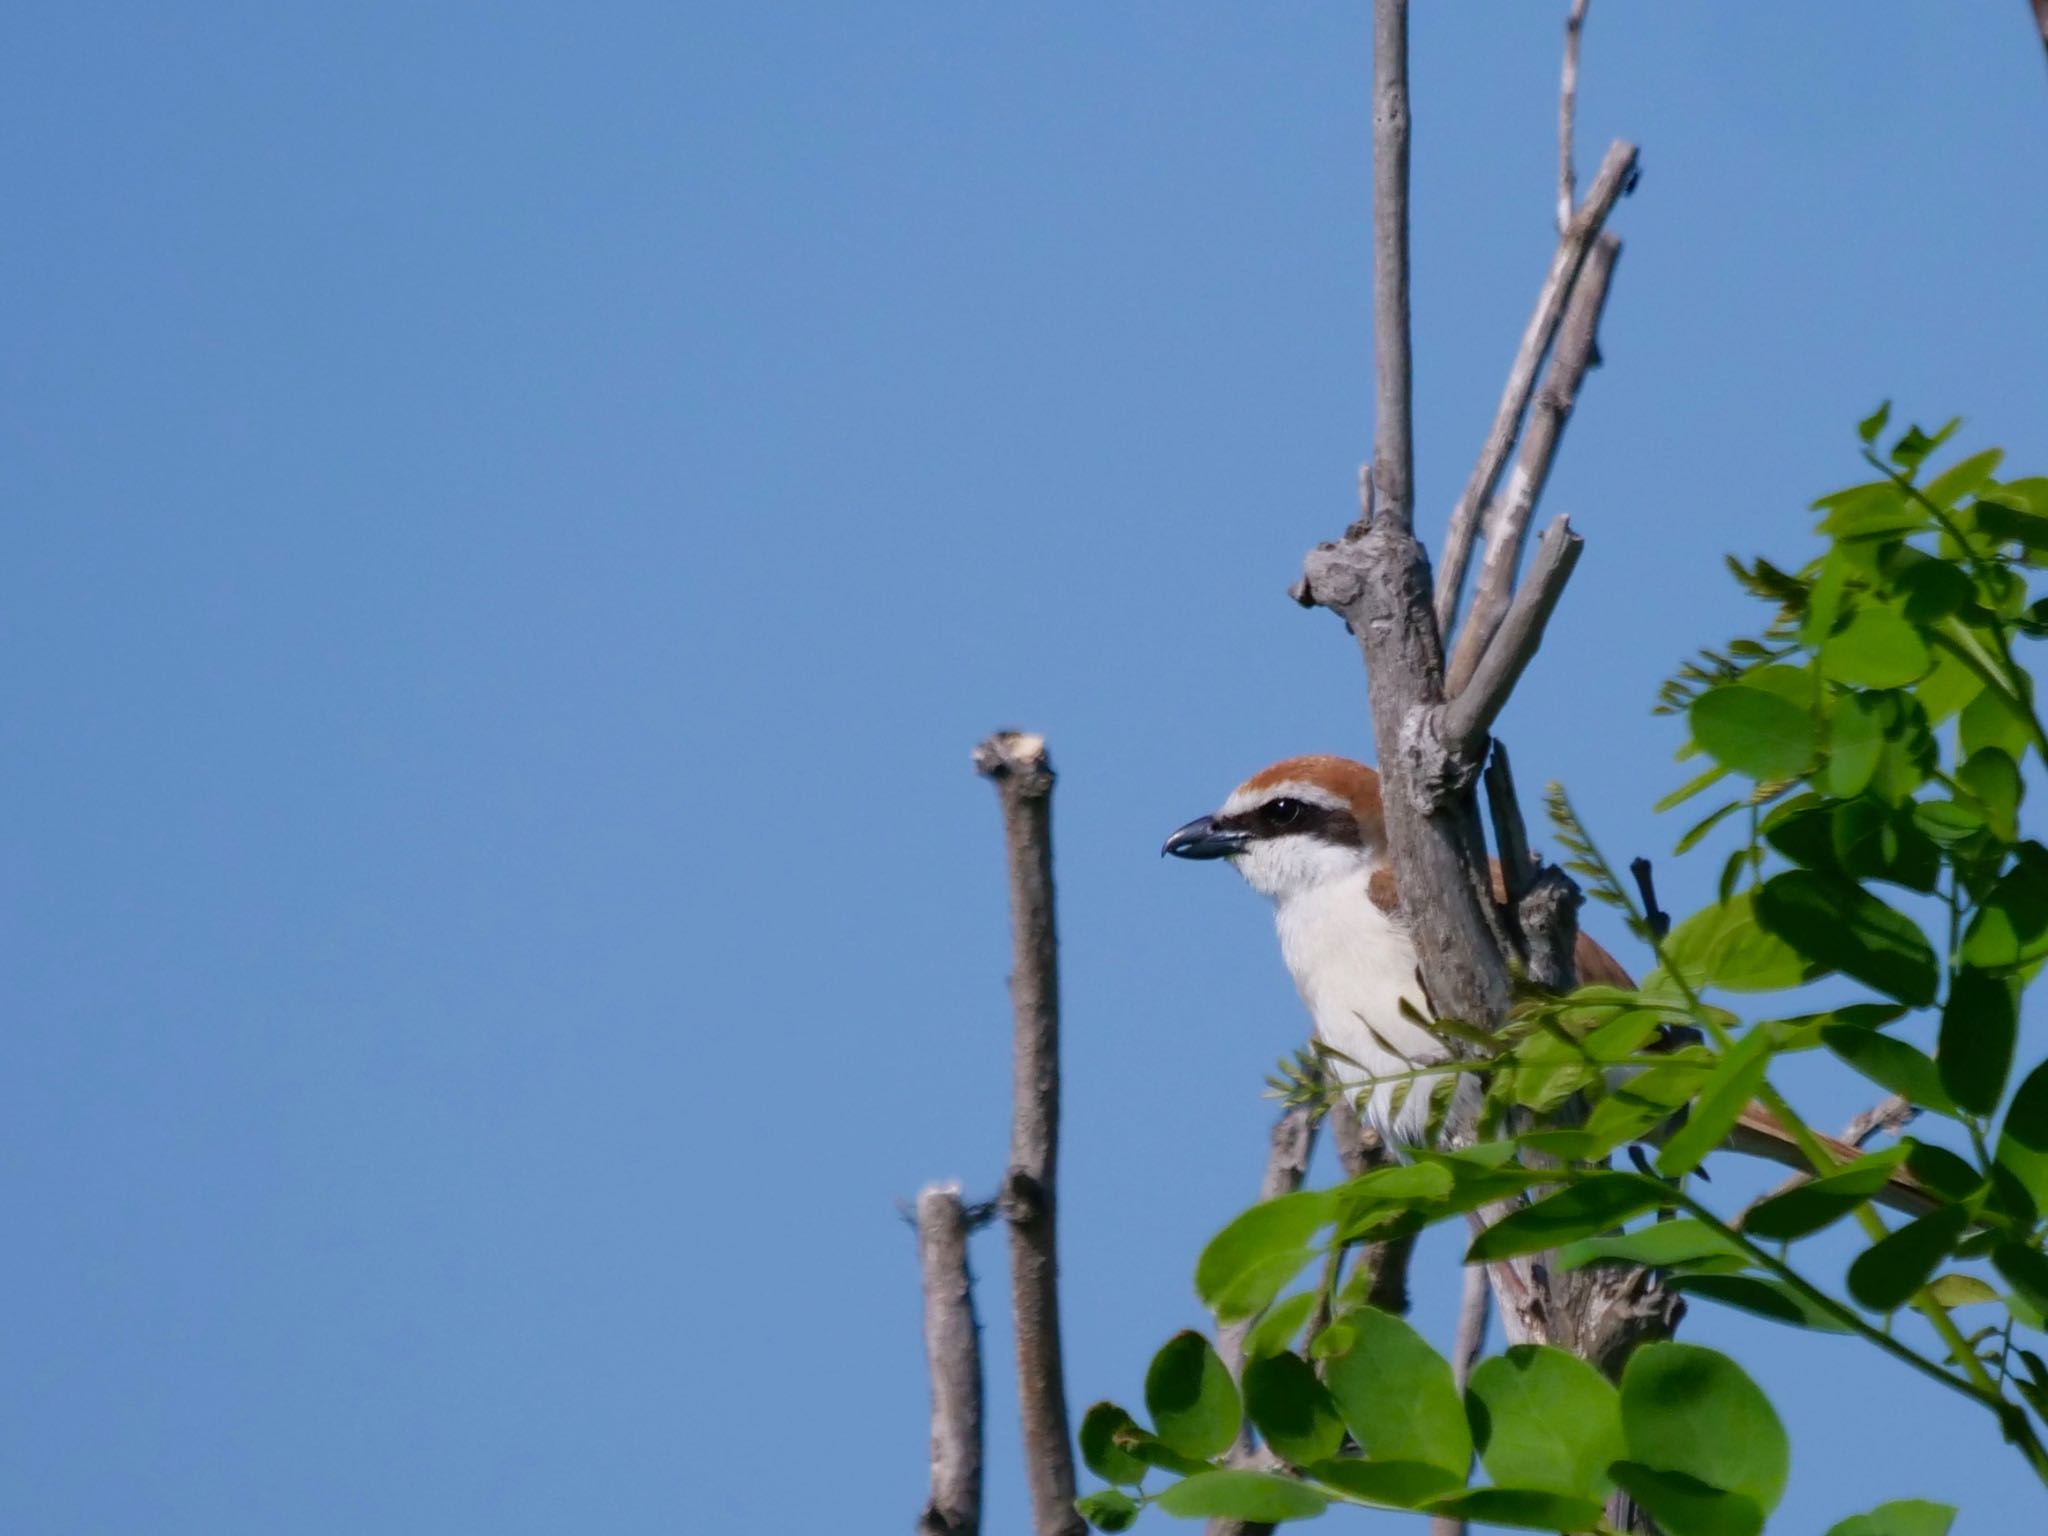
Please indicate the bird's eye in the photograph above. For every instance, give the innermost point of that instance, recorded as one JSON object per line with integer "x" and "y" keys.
{"x": 1281, "y": 813}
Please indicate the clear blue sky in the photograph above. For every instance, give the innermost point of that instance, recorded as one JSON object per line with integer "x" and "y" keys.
{"x": 516, "y": 516}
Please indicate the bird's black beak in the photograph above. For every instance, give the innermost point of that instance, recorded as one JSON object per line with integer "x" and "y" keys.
{"x": 1203, "y": 839}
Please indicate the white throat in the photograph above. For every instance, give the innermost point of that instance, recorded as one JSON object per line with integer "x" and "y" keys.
{"x": 1354, "y": 966}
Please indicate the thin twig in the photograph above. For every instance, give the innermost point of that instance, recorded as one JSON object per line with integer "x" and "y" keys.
{"x": 1474, "y": 1301}
{"x": 1510, "y": 832}
{"x": 1609, "y": 183}
{"x": 1287, "y": 1154}
{"x": 1887, "y": 1117}
{"x": 952, "y": 1351}
{"x": 1567, "y": 109}
{"x": 1469, "y": 717}
{"x": 1509, "y": 520}
{"x": 1393, "y": 457}
{"x": 1016, "y": 763}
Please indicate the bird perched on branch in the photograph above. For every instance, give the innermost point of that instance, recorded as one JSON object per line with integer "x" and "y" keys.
{"x": 1309, "y": 833}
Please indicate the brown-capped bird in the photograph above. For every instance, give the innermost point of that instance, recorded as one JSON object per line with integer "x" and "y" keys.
{"x": 1308, "y": 833}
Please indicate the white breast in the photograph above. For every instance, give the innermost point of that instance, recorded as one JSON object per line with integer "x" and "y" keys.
{"x": 1354, "y": 965}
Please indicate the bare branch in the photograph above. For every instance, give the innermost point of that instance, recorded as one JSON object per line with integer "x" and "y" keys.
{"x": 952, "y": 1351}
{"x": 1469, "y": 717}
{"x": 1510, "y": 832}
{"x": 1393, "y": 458}
{"x": 1510, "y": 514}
{"x": 1470, "y": 1343}
{"x": 1608, "y": 184}
{"x": 1016, "y": 763}
{"x": 1287, "y": 1155}
{"x": 2041, "y": 20}
{"x": 1567, "y": 110}
{"x": 1293, "y": 1140}
{"x": 1887, "y": 1117}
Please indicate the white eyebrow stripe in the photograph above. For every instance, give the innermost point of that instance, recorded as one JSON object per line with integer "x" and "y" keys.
{"x": 1289, "y": 789}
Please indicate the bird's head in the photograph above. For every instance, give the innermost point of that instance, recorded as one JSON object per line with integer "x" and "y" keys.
{"x": 1294, "y": 826}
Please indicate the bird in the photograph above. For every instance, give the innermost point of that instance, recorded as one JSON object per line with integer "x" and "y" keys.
{"x": 1309, "y": 833}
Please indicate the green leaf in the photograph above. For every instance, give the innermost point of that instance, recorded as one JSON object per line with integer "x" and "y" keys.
{"x": 1951, "y": 1177}
{"x": 1911, "y": 450}
{"x": 1963, "y": 478}
{"x": 1691, "y": 787}
{"x": 1874, "y": 841}
{"x": 1762, "y": 1295}
{"x": 1901, "y": 1517}
{"x": 1855, "y": 739}
{"x": 1292, "y": 1409}
{"x": 2011, "y": 926}
{"x": 1545, "y": 1419}
{"x": 2004, "y": 522}
{"x": 1838, "y": 924}
{"x": 1993, "y": 720}
{"x": 1888, "y": 1272}
{"x": 1402, "y": 1484}
{"x": 1397, "y": 1395}
{"x": 1590, "y": 1205}
{"x": 1979, "y": 1024}
{"x": 1237, "y": 1495}
{"x": 1806, "y": 1208}
{"x": 2023, "y": 1142}
{"x": 1876, "y": 649}
{"x": 1101, "y": 1427}
{"x": 1993, "y": 778}
{"x": 1947, "y": 822}
{"x": 1960, "y": 1290}
{"x": 1891, "y": 1064}
{"x": 2026, "y": 1269}
{"x": 1734, "y": 1082}
{"x": 1107, "y": 1510}
{"x": 1724, "y": 946}
{"x": 1660, "y": 1245}
{"x": 1530, "y": 1509}
{"x": 1756, "y": 733}
{"x": 1933, "y": 589}
{"x": 1692, "y": 1411}
{"x": 1870, "y": 426}
{"x": 1685, "y": 1506}
{"x": 1260, "y": 1251}
{"x": 1278, "y": 1327}
{"x": 1192, "y": 1400}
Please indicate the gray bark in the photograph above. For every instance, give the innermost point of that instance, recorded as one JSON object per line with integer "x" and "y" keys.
{"x": 952, "y": 1349}
{"x": 1016, "y": 763}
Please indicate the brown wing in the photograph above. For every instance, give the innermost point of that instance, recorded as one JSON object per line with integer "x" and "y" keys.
{"x": 1595, "y": 966}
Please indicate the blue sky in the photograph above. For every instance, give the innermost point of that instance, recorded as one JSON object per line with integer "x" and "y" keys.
{"x": 517, "y": 517}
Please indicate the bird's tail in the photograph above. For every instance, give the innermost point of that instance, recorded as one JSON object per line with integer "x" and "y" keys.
{"x": 1759, "y": 1133}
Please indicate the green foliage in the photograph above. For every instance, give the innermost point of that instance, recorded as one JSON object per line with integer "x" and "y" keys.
{"x": 1868, "y": 748}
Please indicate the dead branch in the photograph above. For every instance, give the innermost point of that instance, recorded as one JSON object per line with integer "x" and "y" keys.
{"x": 1287, "y": 1155}
{"x": 1608, "y": 184}
{"x": 952, "y": 1350}
{"x": 1377, "y": 579}
{"x": 1393, "y": 459}
{"x": 1469, "y": 717}
{"x": 1470, "y": 1342}
{"x": 1509, "y": 522}
{"x": 1567, "y": 110}
{"x": 1360, "y": 1151}
{"x": 1887, "y": 1117}
{"x": 1016, "y": 763}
